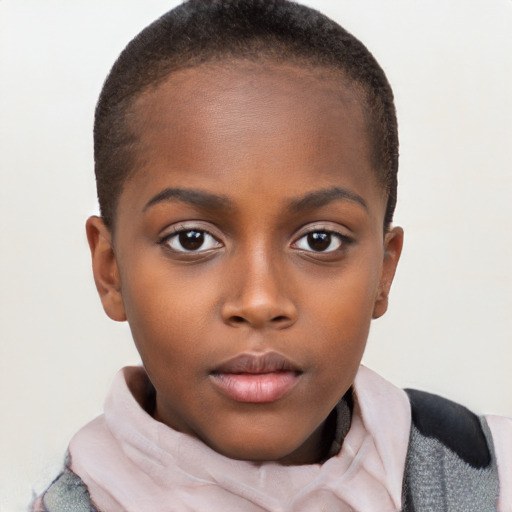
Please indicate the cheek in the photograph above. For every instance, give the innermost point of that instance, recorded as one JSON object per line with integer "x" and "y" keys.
{"x": 342, "y": 314}
{"x": 168, "y": 313}
{"x": 344, "y": 301}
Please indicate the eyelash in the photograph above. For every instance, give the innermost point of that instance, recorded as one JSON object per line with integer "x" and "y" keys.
{"x": 182, "y": 230}
{"x": 343, "y": 240}
{"x": 329, "y": 235}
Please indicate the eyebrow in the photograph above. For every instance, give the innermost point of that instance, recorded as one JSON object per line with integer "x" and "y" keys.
{"x": 199, "y": 198}
{"x": 323, "y": 197}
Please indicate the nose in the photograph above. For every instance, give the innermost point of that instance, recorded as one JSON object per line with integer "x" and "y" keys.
{"x": 258, "y": 295}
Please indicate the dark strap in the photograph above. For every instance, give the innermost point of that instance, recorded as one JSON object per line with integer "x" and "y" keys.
{"x": 450, "y": 465}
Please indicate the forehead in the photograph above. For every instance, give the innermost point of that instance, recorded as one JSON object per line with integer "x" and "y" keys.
{"x": 249, "y": 121}
{"x": 242, "y": 99}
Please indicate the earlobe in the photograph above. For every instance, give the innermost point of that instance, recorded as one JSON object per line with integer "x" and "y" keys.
{"x": 393, "y": 242}
{"x": 104, "y": 267}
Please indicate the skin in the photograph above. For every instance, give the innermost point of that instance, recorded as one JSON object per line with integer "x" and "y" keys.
{"x": 286, "y": 150}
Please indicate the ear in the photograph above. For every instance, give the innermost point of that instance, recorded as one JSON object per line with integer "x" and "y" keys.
{"x": 393, "y": 241}
{"x": 104, "y": 267}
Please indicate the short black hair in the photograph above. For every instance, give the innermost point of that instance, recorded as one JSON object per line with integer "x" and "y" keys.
{"x": 204, "y": 31}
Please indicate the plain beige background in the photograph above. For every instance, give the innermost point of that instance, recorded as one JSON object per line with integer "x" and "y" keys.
{"x": 449, "y": 328}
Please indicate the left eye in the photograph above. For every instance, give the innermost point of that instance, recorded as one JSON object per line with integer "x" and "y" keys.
{"x": 319, "y": 241}
{"x": 192, "y": 240}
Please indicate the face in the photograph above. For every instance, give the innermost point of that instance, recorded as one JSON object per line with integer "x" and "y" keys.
{"x": 249, "y": 255}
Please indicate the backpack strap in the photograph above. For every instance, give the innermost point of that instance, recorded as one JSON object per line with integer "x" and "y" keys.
{"x": 450, "y": 464}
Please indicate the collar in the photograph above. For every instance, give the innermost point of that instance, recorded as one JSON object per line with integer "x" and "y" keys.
{"x": 131, "y": 462}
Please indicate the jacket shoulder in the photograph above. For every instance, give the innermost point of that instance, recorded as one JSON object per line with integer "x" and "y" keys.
{"x": 66, "y": 493}
{"x": 451, "y": 463}
{"x": 452, "y": 424}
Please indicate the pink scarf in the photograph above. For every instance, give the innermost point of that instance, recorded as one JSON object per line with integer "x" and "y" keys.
{"x": 130, "y": 462}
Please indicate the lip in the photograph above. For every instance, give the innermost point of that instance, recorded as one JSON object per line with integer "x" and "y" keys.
{"x": 256, "y": 378}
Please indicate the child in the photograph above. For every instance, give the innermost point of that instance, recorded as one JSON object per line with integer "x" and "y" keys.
{"x": 246, "y": 157}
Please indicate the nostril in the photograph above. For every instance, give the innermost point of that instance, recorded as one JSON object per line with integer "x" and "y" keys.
{"x": 237, "y": 319}
{"x": 280, "y": 318}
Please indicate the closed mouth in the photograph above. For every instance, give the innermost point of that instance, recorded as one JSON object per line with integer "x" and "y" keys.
{"x": 269, "y": 362}
{"x": 256, "y": 378}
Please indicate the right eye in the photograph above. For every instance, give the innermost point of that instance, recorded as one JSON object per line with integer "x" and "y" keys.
{"x": 191, "y": 240}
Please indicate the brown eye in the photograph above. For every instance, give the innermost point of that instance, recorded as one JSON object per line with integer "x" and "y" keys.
{"x": 192, "y": 240}
{"x": 320, "y": 241}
